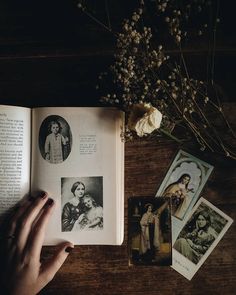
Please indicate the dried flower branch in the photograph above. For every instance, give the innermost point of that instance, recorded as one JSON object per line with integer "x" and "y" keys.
{"x": 143, "y": 72}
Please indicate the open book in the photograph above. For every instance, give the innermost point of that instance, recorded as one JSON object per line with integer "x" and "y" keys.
{"x": 74, "y": 154}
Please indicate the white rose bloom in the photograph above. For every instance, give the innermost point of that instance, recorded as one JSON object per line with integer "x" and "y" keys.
{"x": 144, "y": 119}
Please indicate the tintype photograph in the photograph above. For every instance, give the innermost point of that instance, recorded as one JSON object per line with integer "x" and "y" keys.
{"x": 55, "y": 139}
{"x": 149, "y": 228}
{"x": 82, "y": 203}
{"x": 184, "y": 182}
{"x": 199, "y": 236}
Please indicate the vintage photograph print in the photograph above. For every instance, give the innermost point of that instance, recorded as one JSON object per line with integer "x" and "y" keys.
{"x": 183, "y": 183}
{"x": 199, "y": 236}
{"x": 55, "y": 139}
{"x": 82, "y": 203}
{"x": 149, "y": 228}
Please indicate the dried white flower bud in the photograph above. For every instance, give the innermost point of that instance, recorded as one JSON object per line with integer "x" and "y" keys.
{"x": 174, "y": 95}
{"x": 178, "y": 38}
{"x": 140, "y": 11}
{"x": 167, "y": 19}
{"x": 144, "y": 119}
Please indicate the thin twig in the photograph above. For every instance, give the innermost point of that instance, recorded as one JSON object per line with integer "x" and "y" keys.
{"x": 108, "y": 15}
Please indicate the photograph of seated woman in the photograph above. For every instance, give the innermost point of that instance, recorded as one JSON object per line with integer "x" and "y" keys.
{"x": 150, "y": 232}
{"x": 55, "y": 144}
{"x": 178, "y": 191}
{"x": 195, "y": 243}
{"x": 92, "y": 217}
{"x": 73, "y": 209}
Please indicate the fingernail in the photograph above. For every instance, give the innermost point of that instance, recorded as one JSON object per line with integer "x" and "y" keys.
{"x": 43, "y": 195}
{"x": 68, "y": 249}
{"x": 49, "y": 202}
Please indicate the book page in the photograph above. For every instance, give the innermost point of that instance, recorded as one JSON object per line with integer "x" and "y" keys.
{"x": 76, "y": 159}
{"x": 15, "y": 125}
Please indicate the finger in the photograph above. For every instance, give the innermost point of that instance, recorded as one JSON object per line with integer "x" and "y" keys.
{"x": 17, "y": 211}
{"x": 37, "y": 234}
{"x": 27, "y": 220}
{"x": 50, "y": 268}
{"x": 13, "y": 222}
{"x": 11, "y": 227}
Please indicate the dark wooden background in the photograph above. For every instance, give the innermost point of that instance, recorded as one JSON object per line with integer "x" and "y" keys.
{"x": 52, "y": 54}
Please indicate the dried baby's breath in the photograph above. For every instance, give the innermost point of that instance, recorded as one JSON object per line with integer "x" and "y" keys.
{"x": 143, "y": 72}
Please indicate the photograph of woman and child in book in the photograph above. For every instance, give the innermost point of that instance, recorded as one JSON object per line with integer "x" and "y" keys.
{"x": 82, "y": 204}
{"x": 199, "y": 233}
{"x": 55, "y": 139}
{"x": 149, "y": 231}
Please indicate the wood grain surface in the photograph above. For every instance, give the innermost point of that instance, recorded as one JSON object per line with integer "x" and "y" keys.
{"x": 52, "y": 54}
{"x": 105, "y": 270}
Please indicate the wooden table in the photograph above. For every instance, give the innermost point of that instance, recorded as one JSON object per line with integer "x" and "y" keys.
{"x": 51, "y": 53}
{"x": 105, "y": 270}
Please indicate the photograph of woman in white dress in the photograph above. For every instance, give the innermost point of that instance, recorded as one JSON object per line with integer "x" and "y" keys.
{"x": 149, "y": 237}
{"x": 150, "y": 232}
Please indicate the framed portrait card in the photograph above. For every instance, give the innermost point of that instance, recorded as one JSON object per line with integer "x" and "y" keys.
{"x": 149, "y": 230}
{"x": 183, "y": 184}
{"x": 202, "y": 231}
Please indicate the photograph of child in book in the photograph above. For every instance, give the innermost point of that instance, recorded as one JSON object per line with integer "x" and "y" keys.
{"x": 55, "y": 139}
{"x": 149, "y": 231}
{"x": 82, "y": 204}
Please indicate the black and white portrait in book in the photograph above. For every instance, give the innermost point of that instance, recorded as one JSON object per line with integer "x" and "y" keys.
{"x": 55, "y": 139}
{"x": 82, "y": 203}
{"x": 202, "y": 231}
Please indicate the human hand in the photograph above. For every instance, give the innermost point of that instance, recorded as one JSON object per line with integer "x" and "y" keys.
{"x": 47, "y": 156}
{"x": 22, "y": 271}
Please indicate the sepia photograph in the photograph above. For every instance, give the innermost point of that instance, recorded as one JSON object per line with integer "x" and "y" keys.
{"x": 199, "y": 236}
{"x": 184, "y": 182}
{"x": 82, "y": 203}
{"x": 149, "y": 231}
{"x": 55, "y": 139}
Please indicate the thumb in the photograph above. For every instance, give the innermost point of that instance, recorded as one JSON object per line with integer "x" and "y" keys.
{"x": 51, "y": 267}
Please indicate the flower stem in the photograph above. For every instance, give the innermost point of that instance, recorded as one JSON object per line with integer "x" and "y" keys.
{"x": 171, "y": 136}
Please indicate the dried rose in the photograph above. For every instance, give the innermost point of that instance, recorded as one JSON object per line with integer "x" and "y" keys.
{"x": 144, "y": 119}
